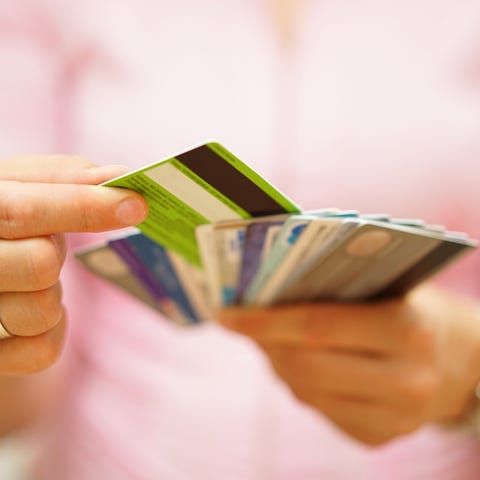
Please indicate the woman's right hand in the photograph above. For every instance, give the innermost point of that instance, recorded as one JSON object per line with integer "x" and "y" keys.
{"x": 41, "y": 198}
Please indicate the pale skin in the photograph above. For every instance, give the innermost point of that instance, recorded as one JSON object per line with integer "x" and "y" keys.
{"x": 376, "y": 370}
{"x": 41, "y": 198}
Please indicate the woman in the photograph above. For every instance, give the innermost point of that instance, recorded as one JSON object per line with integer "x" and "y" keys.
{"x": 362, "y": 105}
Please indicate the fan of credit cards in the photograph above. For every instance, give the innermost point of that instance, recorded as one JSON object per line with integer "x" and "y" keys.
{"x": 219, "y": 234}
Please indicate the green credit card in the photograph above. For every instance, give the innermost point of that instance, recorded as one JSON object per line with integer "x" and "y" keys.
{"x": 203, "y": 185}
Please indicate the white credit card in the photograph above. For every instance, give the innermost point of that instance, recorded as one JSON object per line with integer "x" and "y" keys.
{"x": 221, "y": 252}
{"x": 363, "y": 262}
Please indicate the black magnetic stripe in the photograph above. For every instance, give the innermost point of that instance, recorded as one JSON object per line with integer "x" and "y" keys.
{"x": 229, "y": 181}
{"x": 429, "y": 264}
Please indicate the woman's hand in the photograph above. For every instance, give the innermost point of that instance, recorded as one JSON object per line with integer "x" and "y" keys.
{"x": 40, "y": 199}
{"x": 377, "y": 370}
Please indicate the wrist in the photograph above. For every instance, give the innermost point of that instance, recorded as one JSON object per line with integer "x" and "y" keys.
{"x": 465, "y": 411}
{"x": 470, "y": 421}
{"x": 458, "y": 355}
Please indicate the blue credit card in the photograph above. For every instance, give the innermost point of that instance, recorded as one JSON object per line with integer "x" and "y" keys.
{"x": 155, "y": 259}
{"x": 253, "y": 247}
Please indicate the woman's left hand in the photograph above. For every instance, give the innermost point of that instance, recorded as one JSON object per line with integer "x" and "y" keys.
{"x": 377, "y": 370}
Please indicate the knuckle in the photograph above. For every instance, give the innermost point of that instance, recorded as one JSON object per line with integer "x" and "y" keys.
{"x": 373, "y": 440}
{"x": 314, "y": 323}
{"x": 403, "y": 425}
{"x": 49, "y": 309}
{"x": 394, "y": 427}
{"x": 44, "y": 264}
{"x": 278, "y": 365}
{"x": 48, "y": 352}
{"x": 74, "y": 160}
{"x": 301, "y": 394}
{"x": 85, "y": 215}
{"x": 368, "y": 435}
{"x": 418, "y": 339}
{"x": 420, "y": 388}
{"x": 48, "y": 348}
{"x": 412, "y": 393}
{"x": 33, "y": 313}
{"x": 14, "y": 214}
{"x": 285, "y": 364}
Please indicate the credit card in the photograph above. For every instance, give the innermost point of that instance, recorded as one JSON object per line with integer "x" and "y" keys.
{"x": 362, "y": 261}
{"x": 258, "y": 240}
{"x": 194, "y": 282}
{"x": 300, "y": 254}
{"x": 297, "y": 228}
{"x": 218, "y": 233}
{"x": 448, "y": 250}
{"x": 107, "y": 264}
{"x": 288, "y": 234}
{"x": 156, "y": 261}
{"x": 221, "y": 251}
{"x": 203, "y": 185}
{"x": 146, "y": 277}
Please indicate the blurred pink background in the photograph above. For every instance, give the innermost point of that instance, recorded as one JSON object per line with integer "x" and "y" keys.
{"x": 365, "y": 104}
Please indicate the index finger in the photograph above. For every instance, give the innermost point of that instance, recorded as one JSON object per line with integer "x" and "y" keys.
{"x": 382, "y": 328}
{"x": 37, "y": 209}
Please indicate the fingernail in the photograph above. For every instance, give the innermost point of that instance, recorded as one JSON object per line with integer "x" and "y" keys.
{"x": 131, "y": 211}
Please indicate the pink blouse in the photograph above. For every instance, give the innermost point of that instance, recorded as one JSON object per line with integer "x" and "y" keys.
{"x": 372, "y": 105}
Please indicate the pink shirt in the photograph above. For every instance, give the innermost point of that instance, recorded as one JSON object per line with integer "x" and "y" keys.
{"x": 375, "y": 105}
